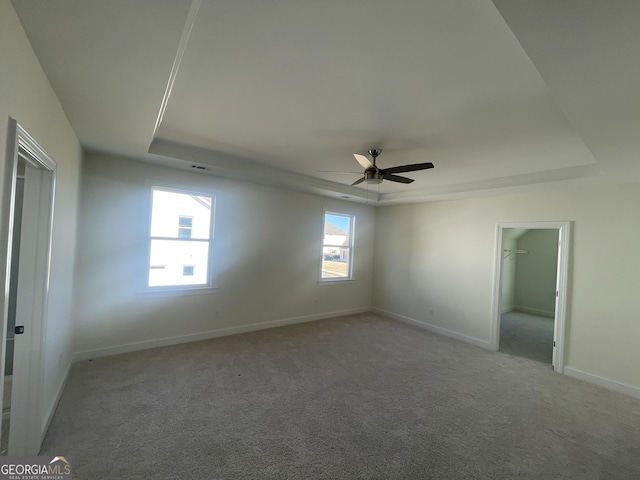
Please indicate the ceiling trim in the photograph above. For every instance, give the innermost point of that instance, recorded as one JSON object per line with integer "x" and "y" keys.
{"x": 238, "y": 168}
{"x": 494, "y": 185}
{"x": 182, "y": 46}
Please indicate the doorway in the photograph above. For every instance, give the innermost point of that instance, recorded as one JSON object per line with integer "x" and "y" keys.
{"x": 27, "y": 213}
{"x": 530, "y": 285}
{"x": 528, "y": 297}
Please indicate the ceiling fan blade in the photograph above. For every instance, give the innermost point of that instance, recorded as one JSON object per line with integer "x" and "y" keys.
{"x": 363, "y": 161}
{"x": 360, "y": 180}
{"x": 340, "y": 172}
{"x": 408, "y": 168}
{"x": 397, "y": 178}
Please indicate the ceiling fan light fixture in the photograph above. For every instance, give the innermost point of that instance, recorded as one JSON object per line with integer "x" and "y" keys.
{"x": 373, "y": 177}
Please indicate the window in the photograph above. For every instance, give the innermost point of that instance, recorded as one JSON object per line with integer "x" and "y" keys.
{"x": 187, "y": 270}
{"x": 185, "y": 224}
{"x": 180, "y": 239}
{"x": 337, "y": 247}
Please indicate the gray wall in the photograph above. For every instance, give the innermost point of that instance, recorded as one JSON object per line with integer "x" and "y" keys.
{"x": 267, "y": 250}
{"x": 535, "y": 279}
{"x": 440, "y": 256}
{"x": 509, "y": 262}
{"x": 27, "y": 96}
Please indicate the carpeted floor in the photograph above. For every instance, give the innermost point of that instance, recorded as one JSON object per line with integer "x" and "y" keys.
{"x": 527, "y": 335}
{"x": 352, "y": 397}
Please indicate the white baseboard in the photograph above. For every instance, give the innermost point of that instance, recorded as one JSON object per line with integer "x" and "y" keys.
{"x": 535, "y": 311}
{"x": 222, "y": 332}
{"x": 54, "y": 404}
{"x": 435, "y": 329}
{"x": 627, "y": 389}
{"x": 623, "y": 388}
{"x": 508, "y": 309}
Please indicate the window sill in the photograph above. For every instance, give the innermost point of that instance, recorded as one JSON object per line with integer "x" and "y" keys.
{"x": 337, "y": 281}
{"x": 176, "y": 292}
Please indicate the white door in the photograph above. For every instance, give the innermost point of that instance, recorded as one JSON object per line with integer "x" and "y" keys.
{"x": 33, "y": 273}
{"x": 25, "y": 418}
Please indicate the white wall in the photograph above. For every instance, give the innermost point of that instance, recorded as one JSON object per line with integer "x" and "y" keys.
{"x": 267, "y": 251}
{"x": 536, "y": 271}
{"x": 27, "y": 96}
{"x": 440, "y": 256}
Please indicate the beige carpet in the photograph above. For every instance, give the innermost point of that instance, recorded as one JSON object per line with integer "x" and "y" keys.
{"x": 352, "y": 397}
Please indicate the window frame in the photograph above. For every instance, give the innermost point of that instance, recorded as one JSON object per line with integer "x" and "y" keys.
{"x": 147, "y": 291}
{"x": 351, "y": 247}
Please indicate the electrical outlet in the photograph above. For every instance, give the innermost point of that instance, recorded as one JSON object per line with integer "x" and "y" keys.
{"x": 431, "y": 312}
{"x": 216, "y": 314}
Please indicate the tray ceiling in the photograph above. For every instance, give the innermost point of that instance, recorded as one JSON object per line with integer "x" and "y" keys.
{"x": 281, "y": 91}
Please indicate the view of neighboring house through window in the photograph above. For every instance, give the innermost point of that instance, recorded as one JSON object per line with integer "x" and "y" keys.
{"x": 180, "y": 239}
{"x": 337, "y": 246}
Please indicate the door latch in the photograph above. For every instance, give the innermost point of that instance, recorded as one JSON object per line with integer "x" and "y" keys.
{"x": 19, "y": 330}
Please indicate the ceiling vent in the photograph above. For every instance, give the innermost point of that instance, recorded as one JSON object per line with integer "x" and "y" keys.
{"x": 198, "y": 167}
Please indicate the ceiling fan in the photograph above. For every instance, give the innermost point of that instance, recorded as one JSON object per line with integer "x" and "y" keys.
{"x": 373, "y": 174}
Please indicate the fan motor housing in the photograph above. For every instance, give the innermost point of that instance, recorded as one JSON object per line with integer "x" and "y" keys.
{"x": 373, "y": 176}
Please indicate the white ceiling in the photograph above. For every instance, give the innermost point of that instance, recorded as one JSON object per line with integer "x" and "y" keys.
{"x": 502, "y": 94}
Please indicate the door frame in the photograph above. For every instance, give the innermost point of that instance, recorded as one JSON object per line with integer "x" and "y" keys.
{"x": 562, "y": 273}
{"x": 26, "y": 410}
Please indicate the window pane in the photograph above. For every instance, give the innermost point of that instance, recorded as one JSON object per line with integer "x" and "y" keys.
{"x": 335, "y": 262}
{"x": 336, "y": 229}
{"x": 169, "y": 257}
{"x": 172, "y": 211}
